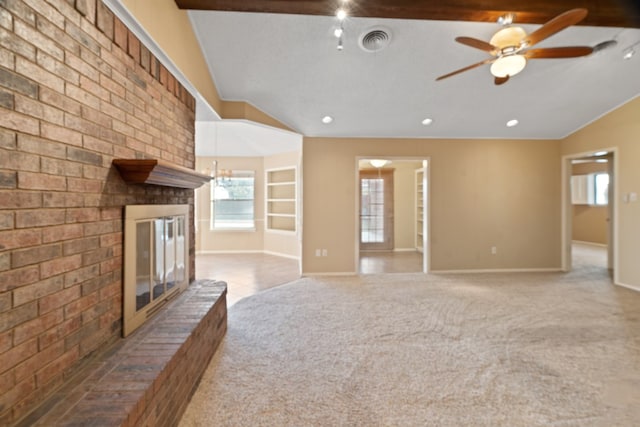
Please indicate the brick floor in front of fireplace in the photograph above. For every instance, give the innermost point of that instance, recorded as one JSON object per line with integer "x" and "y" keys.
{"x": 118, "y": 386}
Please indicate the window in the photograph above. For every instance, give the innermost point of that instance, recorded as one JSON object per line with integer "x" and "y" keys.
{"x": 601, "y": 188}
{"x": 590, "y": 189}
{"x": 372, "y": 206}
{"x": 232, "y": 203}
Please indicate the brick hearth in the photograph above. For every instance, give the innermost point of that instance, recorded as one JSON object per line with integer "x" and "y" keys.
{"x": 149, "y": 377}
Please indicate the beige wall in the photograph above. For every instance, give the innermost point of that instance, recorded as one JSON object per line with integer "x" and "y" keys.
{"x": 207, "y": 240}
{"x": 404, "y": 188}
{"x": 246, "y": 111}
{"x": 589, "y": 223}
{"x": 171, "y": 29}
{"x": 620, "y": 129}
{"x": 483, "y": 193}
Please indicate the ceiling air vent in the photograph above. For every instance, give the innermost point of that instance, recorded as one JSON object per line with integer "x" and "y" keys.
{"x": 375, "y": 39}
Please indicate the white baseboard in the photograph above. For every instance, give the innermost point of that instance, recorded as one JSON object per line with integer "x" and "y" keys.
{"x": 498, "y": 270}
{"x": 582, "y": 242}
{"x": 624, "y": 285}
{"x": 247, "y": 253}
{"x": 350, "y": 273}
{"x": 297, "y": 258}
{"x": 227, "y": 252}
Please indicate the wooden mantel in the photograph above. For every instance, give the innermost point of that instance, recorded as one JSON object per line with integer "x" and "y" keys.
{"x": 159, "y": 172}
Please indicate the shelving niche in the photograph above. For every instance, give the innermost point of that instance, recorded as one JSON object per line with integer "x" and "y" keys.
{"x": 419, "y": 231}
{"x": 281, "y": 209}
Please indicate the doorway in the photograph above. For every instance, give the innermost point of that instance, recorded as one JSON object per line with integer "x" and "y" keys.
{"x": 392, "y": 213}
{"x": 589, "y": 218}
{"x": 376, "y": 210}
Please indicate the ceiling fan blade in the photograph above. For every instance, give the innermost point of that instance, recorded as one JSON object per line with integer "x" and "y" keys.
{"x": 557, "y": 24}
{"x": 501, "y": 80}
{"x": 478, "y": 44}
{"x": 559, "y": 52}
{"x": 461, "y": 70}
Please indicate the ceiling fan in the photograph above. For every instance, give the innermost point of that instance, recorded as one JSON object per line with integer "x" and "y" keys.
{"x": 511, "y": 46}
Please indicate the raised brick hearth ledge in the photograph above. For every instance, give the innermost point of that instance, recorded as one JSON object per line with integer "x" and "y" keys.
{"x": 148, "y": 377}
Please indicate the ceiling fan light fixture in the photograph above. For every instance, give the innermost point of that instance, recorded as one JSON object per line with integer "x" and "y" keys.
{"x": 508, "y": 37}
{"x": 508, "y": 65}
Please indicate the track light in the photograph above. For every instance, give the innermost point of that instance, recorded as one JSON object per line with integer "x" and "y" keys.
{"x": 341, "y": 14}
{"x": 628, "y": 53}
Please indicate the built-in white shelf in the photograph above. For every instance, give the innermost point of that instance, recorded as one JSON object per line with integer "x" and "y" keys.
{"x": 419, "y": 181}
{"x": 281, "y": 200}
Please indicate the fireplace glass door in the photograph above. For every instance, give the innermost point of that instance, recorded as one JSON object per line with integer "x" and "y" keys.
{"x": 160, "y": 267}
{"x": 159, "y": 259}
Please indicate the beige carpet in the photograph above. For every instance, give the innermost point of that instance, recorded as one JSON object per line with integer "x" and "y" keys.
{"x": 413, "y": 350}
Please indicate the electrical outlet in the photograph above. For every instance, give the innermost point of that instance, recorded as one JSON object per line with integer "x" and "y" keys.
{"x": 318, "y": 252}
{"x": 494, "y": 250}
{"x": 325, "y": 252}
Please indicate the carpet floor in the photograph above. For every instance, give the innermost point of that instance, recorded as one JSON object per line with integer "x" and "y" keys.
{"x": 544, "y": 349}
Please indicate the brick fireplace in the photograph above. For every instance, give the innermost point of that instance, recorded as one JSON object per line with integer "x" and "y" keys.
{"x": 77, "y": 89}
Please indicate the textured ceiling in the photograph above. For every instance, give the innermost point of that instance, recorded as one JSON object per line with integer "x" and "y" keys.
{"x": 288, "y": 66}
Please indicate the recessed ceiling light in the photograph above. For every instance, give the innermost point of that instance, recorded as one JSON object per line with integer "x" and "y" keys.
{"x": 427, "y": 121}
{"x": 600, "y": 153}
{"x": 512, "y": 123}
{"x": 327, "y": 119}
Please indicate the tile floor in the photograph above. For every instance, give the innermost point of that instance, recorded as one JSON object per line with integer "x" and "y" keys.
{"x": 247, "y": 274}
{"x": 372, "y": 262}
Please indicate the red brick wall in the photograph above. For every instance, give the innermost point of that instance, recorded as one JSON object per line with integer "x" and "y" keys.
{"x": 77, "y": 89}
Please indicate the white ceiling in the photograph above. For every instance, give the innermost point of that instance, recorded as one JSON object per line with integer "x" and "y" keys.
{"x": 289, "y": 67}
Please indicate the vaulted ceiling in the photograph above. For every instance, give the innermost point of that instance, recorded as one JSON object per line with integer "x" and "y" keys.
{"x": 281, "y": 56}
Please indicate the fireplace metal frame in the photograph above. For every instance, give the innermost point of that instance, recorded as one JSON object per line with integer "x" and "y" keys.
{"x": 132, "y": 315}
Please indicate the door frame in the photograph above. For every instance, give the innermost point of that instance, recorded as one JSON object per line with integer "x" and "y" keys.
{"x": 426, "y": 164}
{"x": 567, "y": 211}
